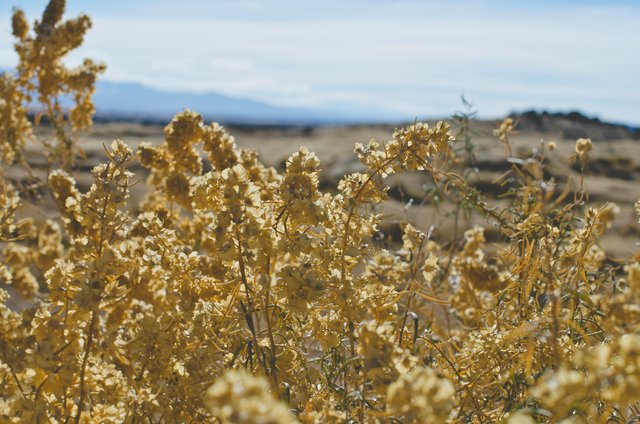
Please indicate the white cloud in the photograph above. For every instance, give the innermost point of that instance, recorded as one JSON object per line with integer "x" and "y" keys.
{"x": 231, "y": 64}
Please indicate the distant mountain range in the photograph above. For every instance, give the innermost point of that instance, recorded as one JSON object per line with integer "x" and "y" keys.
{"x": 138, "y": 102}
{"x": 126, "y": 101}
{"x": 133, "y": 101}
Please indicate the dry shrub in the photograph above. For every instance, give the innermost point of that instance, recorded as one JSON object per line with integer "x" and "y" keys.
{"x": 245, "y": 295}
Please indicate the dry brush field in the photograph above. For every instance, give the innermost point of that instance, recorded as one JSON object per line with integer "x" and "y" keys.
{"x": 612, "y": 174}
{"x": 459, "y": 271}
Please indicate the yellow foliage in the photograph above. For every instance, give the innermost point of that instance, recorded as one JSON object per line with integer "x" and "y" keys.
{"x": 242, "y": 294}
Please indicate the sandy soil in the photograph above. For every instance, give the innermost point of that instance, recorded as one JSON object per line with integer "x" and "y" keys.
{"x": 612, "y": 177}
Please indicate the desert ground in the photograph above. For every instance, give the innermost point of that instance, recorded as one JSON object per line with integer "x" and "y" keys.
{"x": 612, "y": 174}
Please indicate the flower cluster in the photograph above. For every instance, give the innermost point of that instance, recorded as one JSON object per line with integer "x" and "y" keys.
{"x": 42, "y": 77}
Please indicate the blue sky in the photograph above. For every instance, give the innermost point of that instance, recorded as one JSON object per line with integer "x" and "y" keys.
{"x": 411, "y": 58}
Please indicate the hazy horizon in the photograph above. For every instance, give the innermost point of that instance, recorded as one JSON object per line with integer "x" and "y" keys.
{"x": 404, "y": 58}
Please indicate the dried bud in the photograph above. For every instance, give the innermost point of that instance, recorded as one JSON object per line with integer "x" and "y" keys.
{"x": 19, "y": 25}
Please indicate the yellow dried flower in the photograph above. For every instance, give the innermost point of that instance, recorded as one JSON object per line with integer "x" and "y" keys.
{"x": 19, "y": 25}
{"x": 15, "y": 128}
{"x": 245, "y": 294}
{"x": 421, "y": 396}
{"x": 239, "y": 397}
{"x": 559, "y": 391}
{"x": 503, "y": 131}
{"x": 583, "y": 147}
{"x": 42, "y": 75}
